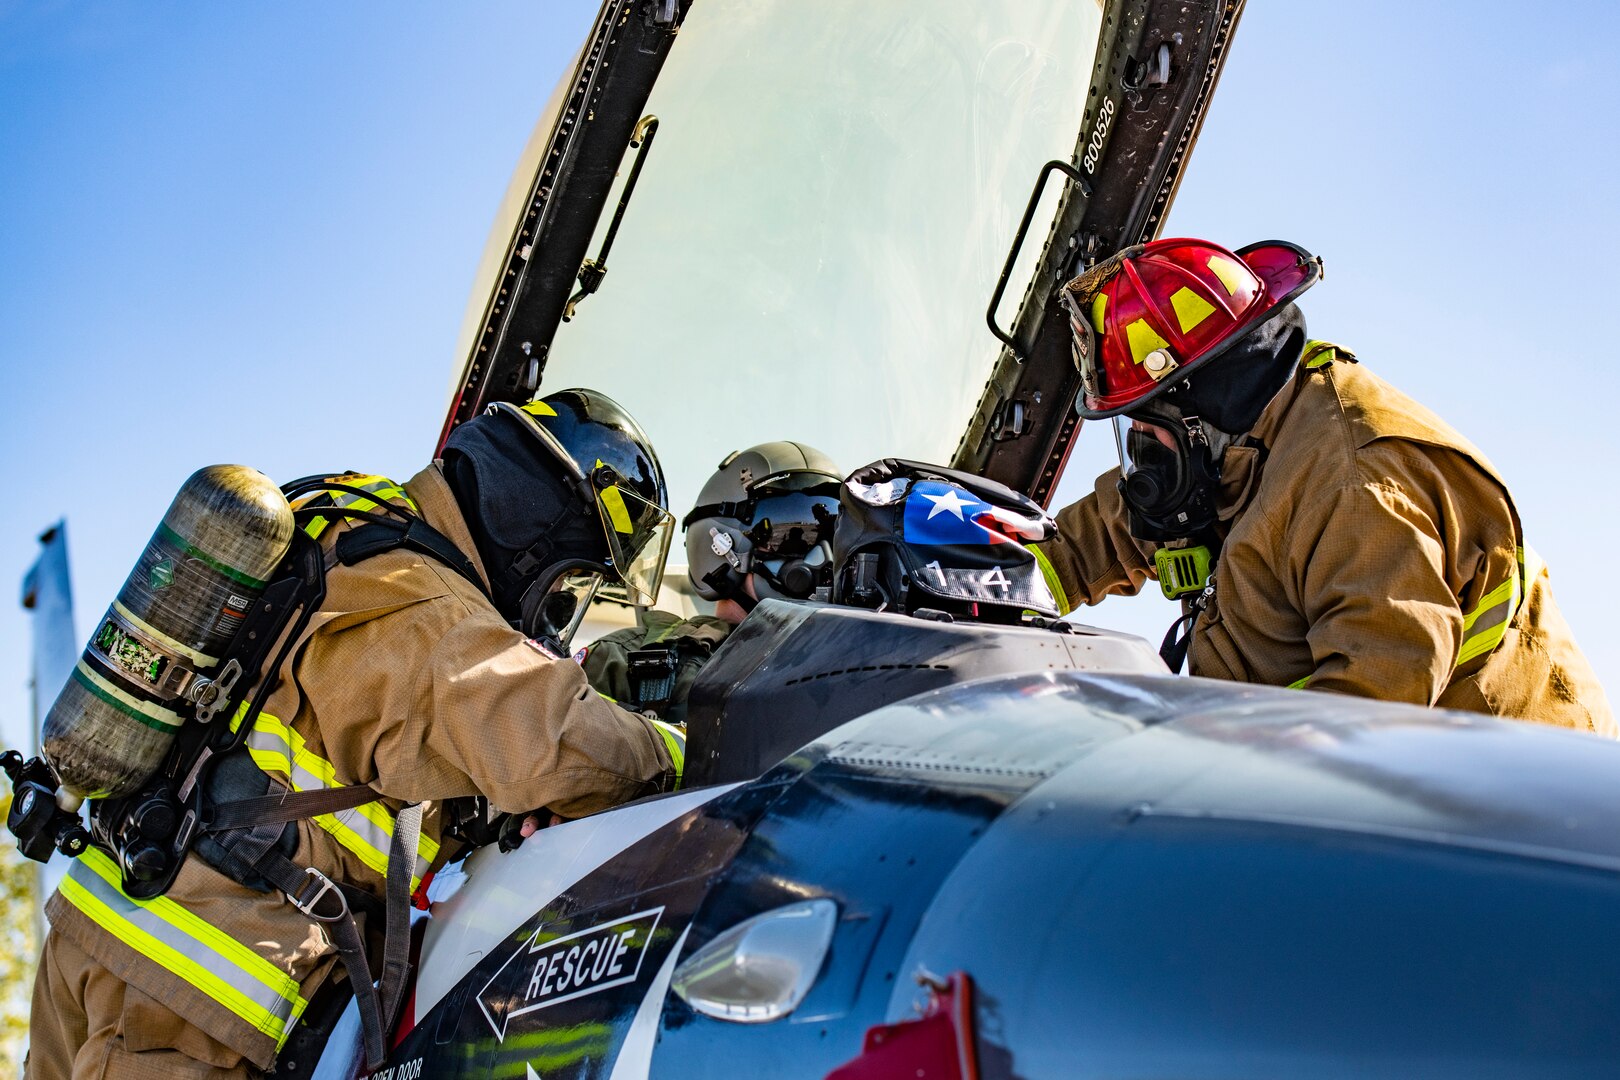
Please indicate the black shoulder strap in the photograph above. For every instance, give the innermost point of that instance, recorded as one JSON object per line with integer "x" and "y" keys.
{"x": 281, "y": 807}
{"x": 366, "y": 541}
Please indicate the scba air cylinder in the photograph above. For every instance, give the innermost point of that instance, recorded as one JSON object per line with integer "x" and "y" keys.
{"x": 205, "y": 566}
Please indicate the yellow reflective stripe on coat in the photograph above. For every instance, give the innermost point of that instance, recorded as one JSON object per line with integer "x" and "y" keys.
{"x": 1053, "y": 582}
{"x": 190, "y": 947}
{"x": 1485, "y": 626}
{"x": 383, "y": 488}
{"x": 367, "y": 830}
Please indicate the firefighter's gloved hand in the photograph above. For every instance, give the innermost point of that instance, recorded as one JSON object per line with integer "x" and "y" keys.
{"x": 674, "y": 736}
{"x": 514, "y": 828}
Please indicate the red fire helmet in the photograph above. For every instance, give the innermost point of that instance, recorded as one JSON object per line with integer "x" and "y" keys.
{"x": 1151, "y": 314}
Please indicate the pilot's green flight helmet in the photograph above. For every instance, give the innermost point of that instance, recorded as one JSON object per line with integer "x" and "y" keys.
{"x": 768, "y": 511}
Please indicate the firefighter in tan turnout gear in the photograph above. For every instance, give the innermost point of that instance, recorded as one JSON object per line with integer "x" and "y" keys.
{"x": 420, "y": 680}
{"x": 1322, "y": 529}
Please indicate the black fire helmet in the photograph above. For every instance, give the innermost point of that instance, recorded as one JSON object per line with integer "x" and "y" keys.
{"x": 567, "y": 486}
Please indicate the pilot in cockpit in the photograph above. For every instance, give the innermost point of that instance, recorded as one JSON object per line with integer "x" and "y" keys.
{"x": 762, "y": 528}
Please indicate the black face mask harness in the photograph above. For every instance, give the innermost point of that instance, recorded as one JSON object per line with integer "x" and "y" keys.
{"x": 1170, "y": 494}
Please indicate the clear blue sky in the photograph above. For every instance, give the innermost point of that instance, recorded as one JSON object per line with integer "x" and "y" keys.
{"x": 246, "y": 233}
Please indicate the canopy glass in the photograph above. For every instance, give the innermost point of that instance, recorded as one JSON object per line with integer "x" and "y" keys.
{"x": 819, "y": 224}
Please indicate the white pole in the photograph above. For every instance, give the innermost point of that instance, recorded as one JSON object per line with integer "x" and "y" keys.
{"x": 47, "y": 593}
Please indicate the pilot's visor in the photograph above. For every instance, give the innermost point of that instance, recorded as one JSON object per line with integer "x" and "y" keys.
{"x": 790, "y": 523}
{"x": 638, "y": 536}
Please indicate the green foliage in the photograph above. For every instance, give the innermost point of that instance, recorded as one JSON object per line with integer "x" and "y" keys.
{"x": 18, "y": 949}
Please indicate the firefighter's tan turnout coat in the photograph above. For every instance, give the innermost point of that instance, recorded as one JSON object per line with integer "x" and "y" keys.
{"x": 406, "y": 680}
{"x": 1368, "y": 549}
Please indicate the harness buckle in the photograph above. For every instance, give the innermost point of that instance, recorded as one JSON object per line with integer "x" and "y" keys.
{"x": 213, "y": 694}
{"x": 323, "y": 887}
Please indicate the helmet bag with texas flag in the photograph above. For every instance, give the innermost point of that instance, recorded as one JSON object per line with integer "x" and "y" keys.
{"x": 912, "y": 536}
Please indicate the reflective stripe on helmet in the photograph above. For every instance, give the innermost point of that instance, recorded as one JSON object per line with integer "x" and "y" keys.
{"x": 618, "y": 514}
{"x": 1190, "y": 308}
{"x": 1231, "y": 274}
{"x": 1143, "y": 339}
{"x": 186, "y": 945}
{"x": 367, "y": 830}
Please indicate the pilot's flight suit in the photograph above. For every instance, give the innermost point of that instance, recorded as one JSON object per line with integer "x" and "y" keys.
{"x": 407, "y": 680}
{"x": 691, "y": 641}
{"x": 1368, "y": 549}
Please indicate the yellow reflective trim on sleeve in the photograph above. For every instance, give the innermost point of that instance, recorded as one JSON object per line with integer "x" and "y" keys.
{"x": 674, "y": 741}
{"x": 1299, "y": 684}
{"x": 1487, "y": 624}
{"x": 613, "y": 502}
{"x": 1322, "y": 353}
{"x": 1496, "y": 596}
{"x": 1053, "y": 582}
{"x": 1530, "y": 566}
{"x": 181, "y": 942}
{"x": 1190, "y": 308}
{"x": 1481, "y": 643}
{"x": 1143, "y": 339}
